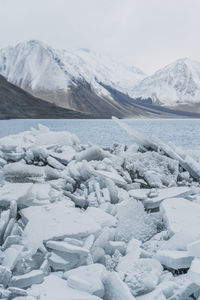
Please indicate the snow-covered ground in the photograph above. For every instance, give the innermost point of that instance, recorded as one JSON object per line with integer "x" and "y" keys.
{"x": 83, "y": 222}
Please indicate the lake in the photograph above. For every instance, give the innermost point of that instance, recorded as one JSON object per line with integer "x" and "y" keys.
{"x": 185, "y": 133}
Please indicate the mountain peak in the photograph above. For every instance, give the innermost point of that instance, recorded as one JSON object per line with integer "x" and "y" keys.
{"x": 176, "y": 83}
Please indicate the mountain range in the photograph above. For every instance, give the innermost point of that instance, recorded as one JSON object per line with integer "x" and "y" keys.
{"x": 88, "y": 82}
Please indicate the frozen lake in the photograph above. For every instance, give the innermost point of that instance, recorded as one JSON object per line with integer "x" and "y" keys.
{"x": 185, "y": 133}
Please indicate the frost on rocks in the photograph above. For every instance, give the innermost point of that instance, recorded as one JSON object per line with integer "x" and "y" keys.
{"x": 82, "y": 222}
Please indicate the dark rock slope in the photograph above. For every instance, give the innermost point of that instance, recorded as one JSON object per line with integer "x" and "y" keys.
{"x": 18, "y": 104}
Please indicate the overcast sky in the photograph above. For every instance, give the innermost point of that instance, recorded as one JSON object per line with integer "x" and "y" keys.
{"x": 145, "y": 33}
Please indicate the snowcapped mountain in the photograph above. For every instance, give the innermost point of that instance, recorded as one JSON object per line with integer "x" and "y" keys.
{"x": 175, "y": 85}
{"x": 41, "y": 69}
{"x": 87, "y": 81}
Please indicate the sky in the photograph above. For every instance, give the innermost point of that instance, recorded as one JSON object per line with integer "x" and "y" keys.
{"x": 147, "y": 33}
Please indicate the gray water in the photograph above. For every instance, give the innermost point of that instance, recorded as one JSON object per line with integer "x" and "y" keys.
{"x": 185, "y": 133}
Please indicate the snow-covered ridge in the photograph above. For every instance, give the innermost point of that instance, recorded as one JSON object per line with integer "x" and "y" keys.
{"x": 36, "y": 66}
{"x": 83, "y": 222}
{"x": 177, "y": 83}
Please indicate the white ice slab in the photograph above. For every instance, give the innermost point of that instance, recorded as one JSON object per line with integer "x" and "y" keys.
{"x": 26, "y": 280}
{"x": 55, "y": 288}
{"x": 116, "y": 289}
{"x": 180, "y": 214}
{"x": 194, "y": 271}
{"x": 101, "y": 217}
{"x": 87, "y": 278}
{"x": 112, "y": 175}
{"x": 21, "y": 192}
{"x": 56, "y": 221}
{"x": 171, "y": 192}
{"x": 194, "y": 248}
{"x": 174, "y": 259}
{"x": 11, "y": 255}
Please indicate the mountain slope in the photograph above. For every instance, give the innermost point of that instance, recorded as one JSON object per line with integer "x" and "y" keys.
{"x": 174, "y": 85}
{"x": 56, "y": 75}
{"x": 16, "y": 103}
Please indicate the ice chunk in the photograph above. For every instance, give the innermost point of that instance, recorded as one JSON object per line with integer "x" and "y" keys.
{"x": 5, "y": 217}
{"x": 11, "y": 255}
{"x": 142, "y": 141}
{"x": 133, "y": 253}
{"x": 10, "y": 240}
{"x": 92, "y": 153}
{"x": 3, "y": 162}
{"x": 194, "y": 271}
{"x": 22, "y": 170}
{"x": 194, "y": 248}
{"x": 20, "y": 192}
{"x": 171, "y": 192}
{"x": 66, "y": 247}
{"x": 55, "y": 163}
{"x": 112, "y": 175}
{"x": 180, "y": 240}
{"x": 61, "y": 138}
{"x": 115, "y": 288}
{"x": 54, "y": 288}
{"x": 87, "y": 278}
{"x": 26, "y": 280}
{"x": 139, "y": 194}
{"x": 63, "y": 261}
{"x": 112, "y": 246}
{"x": 178, "y": 287}
{"x": 9, "y": 228}
{"x": 179, "y": 213}
{"x": 67, "y": 154}
{"x": 102, "y": 218}
{"x": 157, "y": 294}
{"x": 174, "y": 259}
{"x": 153, "y": 179}
{"x": 133, "y": 222}
{"x": 5, "y": 275}
{"x": 57, "y": 220}
{"x": 79, "y": 201}
{"x": 141, "y": 275}
{"x": 15, "y": 292}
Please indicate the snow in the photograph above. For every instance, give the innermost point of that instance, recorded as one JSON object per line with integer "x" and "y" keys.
{"x": 86, "y": 230}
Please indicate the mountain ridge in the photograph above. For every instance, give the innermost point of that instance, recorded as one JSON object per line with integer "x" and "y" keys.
{"x": 83, "y": 79}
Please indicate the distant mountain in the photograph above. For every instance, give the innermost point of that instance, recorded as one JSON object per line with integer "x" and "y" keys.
{"x": 69, "y": 79}
{"x": 15, "y": 103}
{"x": 97, "y": 85}
{"x": 176, "y": 85}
